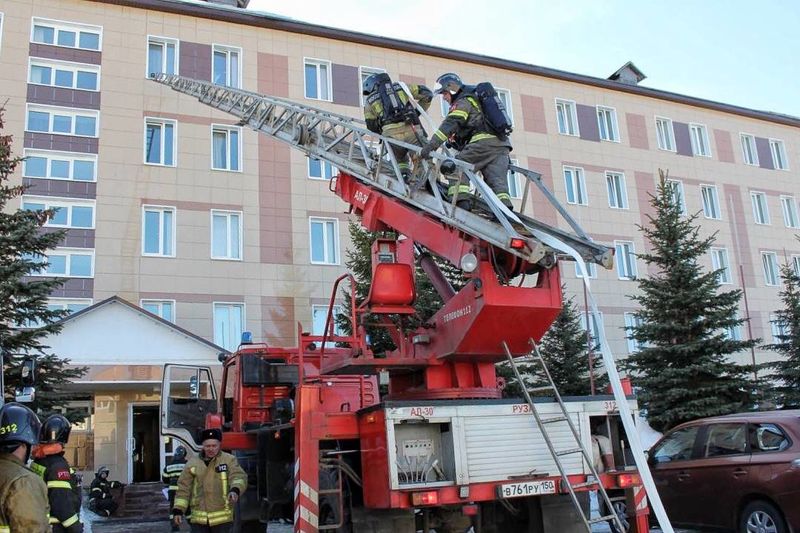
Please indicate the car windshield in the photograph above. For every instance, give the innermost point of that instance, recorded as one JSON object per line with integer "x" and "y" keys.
{"x": 677, "y": 446}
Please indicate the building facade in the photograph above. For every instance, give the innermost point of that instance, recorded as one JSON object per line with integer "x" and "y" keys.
{"x": 171, "y": 206}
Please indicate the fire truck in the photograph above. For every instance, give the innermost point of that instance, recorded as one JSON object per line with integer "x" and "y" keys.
{"x": 440, "y": 448}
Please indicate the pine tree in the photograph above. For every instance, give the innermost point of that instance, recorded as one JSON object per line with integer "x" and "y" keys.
{"x": 684, "y": 370}
{"x": 23, "y": 300}
{"x": 786, "y": 392}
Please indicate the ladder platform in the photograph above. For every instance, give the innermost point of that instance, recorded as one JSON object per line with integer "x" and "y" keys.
{"x": 370, "y": 365}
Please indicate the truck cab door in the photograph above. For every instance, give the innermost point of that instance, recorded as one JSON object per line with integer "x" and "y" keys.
{"x": 188, "y": 394}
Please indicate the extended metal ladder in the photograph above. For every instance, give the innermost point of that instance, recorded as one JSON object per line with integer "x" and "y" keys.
{"x": 594, "y": 478}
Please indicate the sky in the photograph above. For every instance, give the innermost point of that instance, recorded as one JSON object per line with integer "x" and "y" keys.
{"x": 739, "y": 52}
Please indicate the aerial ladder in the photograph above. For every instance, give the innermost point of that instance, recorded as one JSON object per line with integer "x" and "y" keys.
{"x": 454, "y": 357}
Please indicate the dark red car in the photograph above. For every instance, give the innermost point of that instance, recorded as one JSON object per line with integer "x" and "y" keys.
{"x": 732, "y": 473}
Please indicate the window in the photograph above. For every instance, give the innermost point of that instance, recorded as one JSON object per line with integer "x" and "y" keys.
{"x": 725, "y": 439}
{"x": 159, "y": 142}
{"x": 617, "y": 194}
{"x": 444, "y": 106}
{"x": 607, "y": 122}
{"x": 55, "y": 74}
{"x": 699, "y": 138}
{"x": 68, "y": 213}
{"x": 226, "y": 234}
{"x": 665, "y": 134}
{"x": 760, "y": 210}
{"x": 625, "y": 259}
{"x": 324, "y": 241}
{"x": 677, "y": 446}
{"x": 632, "y": 320}
{"x": 591, "y": 269}
{"x": 163, "y": 308}
{"x": 228, "y": 324}
{"x": 780, "y": 329}
{"x": 162, "y": 56}
{"x": 66, "y": 34}
{"x": 789, "y": 207}
{"x": 505, "y": 97}
{"x": 226, "y": 66}
{"x": 576, "y": 186}
{"x": 720, "y": 264}
{"x": 594, "y": 328}
{"x": 796, "y": 264}
{"x": 319, "y": 316}
{"x": 318, "y": 79}
{"x": 677, "y": 194}
{"x": 59, "y": 165}
{"x": 779, "y": 160}
{"x": 62, "y": 121}
{"x": 567, "y": 117}
{"x": 749, "y": 151}
{"x": 515, "y": 182}
{"x": 226, "y": 148}
{"x": 1, "y": 30}
{"x": 158, "y": 231}
{"x": 710, "y": 201}
{"x": 767, "y": 438}
{"x": 73, "y": 305}
{"x": 66, "y": 262}
{"x": 769, "y": 260}
{"x": 734, "y": 333}
{"x": 320, "y": 170}
{"x": 363, "y": 74}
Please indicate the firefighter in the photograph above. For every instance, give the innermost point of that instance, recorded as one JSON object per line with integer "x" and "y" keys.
{"x": 101, "y": 501}
{"x": 388, "y": 112}
{"x": 62, "y": 489}
{"x": 23, "y": 494}
{"x": 211, "y": 484}
{"x": 466, "y": 130}
{"x": 170, "y": 478}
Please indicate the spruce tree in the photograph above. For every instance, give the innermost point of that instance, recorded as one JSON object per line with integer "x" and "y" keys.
{"x": 786, "y": 392}
{"x": 25, "y": 318}
{"x": 684, "y": 370}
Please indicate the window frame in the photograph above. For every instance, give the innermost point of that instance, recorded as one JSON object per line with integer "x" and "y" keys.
{"x": 329, "y": 78}
{"x": 323, "y": 166}
{"x": 52, "y": 202}
{"x": 777, "y": 328}
{"x": 760, "y": 220}
{"x": 773, "y": 266}
{"x": 579, "y": 177}
{"x": 162, "y": 122}
{"x": 519, "y": 185}
{"x": 174, "y": 230}
{"x": 717, "y": 253}
{"x": 631, "y": 321}
{"x": 227, "y": 130}
{"x": 62, "y": 25}
{"x": 228, "y": 50}
{"x": 73, "y": 113}
{"x": 573, "y": 116}
{"x": 72, "y": 67}
{"x": 789, "y": 201}
{"x": 714, "y": 201}
{"x": 591, "y": 269}
{"x": 623, "y": 190}
{"x": 750, "y": 140}
{"x": 363, "y": 72}
{"x": 165, "y": 42}
{"x": 336, "y": 237}
{"x": 68, "y": 251}
{"x": 240, "y": 229}
{"x": 337, "y": 330}
{"x": 219, "y": 304}
{"x": 619, "y": 246}
{"x": 671, "y": 134}
{"x": 679, "y": 190}
{"x": 698, "y": 430}
{"x": 2, "y": 20}
{"x": 507, "y": 102}
{"x": 611, "y": 112}
{"x": 160, "y": 302}
{"x": 65, "y": 302}
{"x": 796, "y": 263}
{"x": 696, "y": 126}
{"x": 773, "y": 143}
{"x": 707, "y": 433}
{"x": 70, "y": 157}
{"x": 595, "y": 328}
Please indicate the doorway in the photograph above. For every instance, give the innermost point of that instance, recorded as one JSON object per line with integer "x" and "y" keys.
{"x": 145, "y": 444}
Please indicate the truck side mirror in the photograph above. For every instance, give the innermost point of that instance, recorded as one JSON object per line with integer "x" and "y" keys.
{"x": 28, "y": 372}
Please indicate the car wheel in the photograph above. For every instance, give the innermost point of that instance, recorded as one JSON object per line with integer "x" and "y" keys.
{"x": 761, "y": 517}
{"x": 621, "y": 508}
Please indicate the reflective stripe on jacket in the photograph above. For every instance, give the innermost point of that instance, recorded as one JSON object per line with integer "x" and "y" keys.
{"x": 205, "y": 488}
{"x": 171, "y": 474}
{"x": 64, "y": 496}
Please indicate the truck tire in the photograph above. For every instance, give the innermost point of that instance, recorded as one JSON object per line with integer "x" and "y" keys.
{"x": 760, "y": 516}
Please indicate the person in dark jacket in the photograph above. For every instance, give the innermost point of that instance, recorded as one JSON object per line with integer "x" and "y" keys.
{"x": 62, "y": 488}
{"x": 101, "y": 500}
{"x": 170, "y": 478}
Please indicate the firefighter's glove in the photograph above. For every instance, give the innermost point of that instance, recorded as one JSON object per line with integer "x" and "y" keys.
{"x": 426, "y": 151}
{"x": 177, "y": 516}
{"x": 233, "y": 495}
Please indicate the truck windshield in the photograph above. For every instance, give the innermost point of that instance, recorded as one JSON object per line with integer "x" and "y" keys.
{"x": 259, "y": 371}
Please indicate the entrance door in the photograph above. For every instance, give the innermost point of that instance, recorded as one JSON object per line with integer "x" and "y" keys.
{"x": 145, "y": 444}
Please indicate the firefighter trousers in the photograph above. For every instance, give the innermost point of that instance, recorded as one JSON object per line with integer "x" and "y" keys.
{"x": 404, "y": 133}
{"x": 490, "y": 158}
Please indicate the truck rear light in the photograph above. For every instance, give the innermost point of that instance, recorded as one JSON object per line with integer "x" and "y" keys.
{"x": 518, "y": 244}
{"x": 628, "y": 480}
{"x": 469, "y": 510}
{"x": 430, "y": 497}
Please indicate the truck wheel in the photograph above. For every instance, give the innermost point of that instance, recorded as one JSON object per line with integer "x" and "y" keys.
{"x": 761, "y": 517}
{"x": 621, "y": 509}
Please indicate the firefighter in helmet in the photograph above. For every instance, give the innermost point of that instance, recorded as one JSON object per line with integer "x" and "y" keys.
{"x": 101, "y": 501}
{"x": 465, "y": 129}
{"x": 62, "y": 487}
{"x": 170, "y": 478}
{"x": 388, "y": 112}
{"x": 23, "y": 494}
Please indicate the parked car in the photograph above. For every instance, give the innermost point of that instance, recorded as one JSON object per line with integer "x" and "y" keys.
{"x": 732, "y": 473}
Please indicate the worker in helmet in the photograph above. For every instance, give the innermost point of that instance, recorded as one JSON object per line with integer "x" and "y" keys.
{"x": 23, "y": 494}
{"x": 62, "y": 486}
{"x": 389, "y": 112}
{"x": 170, "y": 478}
{"x": 101, "y": 501}
{"x": 466, "y": 130}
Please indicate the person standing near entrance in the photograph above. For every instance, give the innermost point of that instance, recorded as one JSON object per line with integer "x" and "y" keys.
{"x": 170, "y": 478}
{"x": 211, "y": 484}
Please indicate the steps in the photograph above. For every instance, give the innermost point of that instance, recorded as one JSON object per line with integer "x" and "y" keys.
{"x": 143, "y": 500}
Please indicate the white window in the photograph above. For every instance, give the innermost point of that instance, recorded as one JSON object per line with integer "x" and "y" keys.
{"x": 163, "y": 308}
{"x": 575, "y": 184}
{"x": 66, "y": 262}
{"x": 699, "y": 138}
{"x": 226, "y": 234}
{"x": 567, "y": 117}
{"x": 226, "y": 65}
{"x": 319, "y": 317}
{"x": 591, "y": 268}
{"x": 226, "y": 148}
{"x": 710, "y": 201}
{"x": 67, "y": 75}
{"x": 617, "y": 193}
{"x": 796, "y": 264}
{"x": 734, "y": 333}
{"x": 228, "y": 324}
{"x": 2, "y": 18}
{"x": 363, "y": 74}
{"x": 595, "y": 325}
{"x": 779, "y": 160}
{"x": 720, "y": 263}
{"x": 59, "y": 165}
{"x": 162, "y": 56}
{"x": 320, "y": 170}
{"x": 749, "y": 151}
{"x": 789, "y": 207}
{"x": 158, "y": 231}
{"x": 73, "y": 305}
{"x": 515, "y": 182}
{"x": 625, "y": 259}
{"x": 607, "y": 122}
{"x": 160, "y": 137}
{"x": 505, "y": 97}
{"x": 769, "y": 261}
{"x": 318, "y": 79}
{"x": 68, "y": 34}
{"x": 665, "y": 134}
{"x": 62, "y": 121}
{"x": 324, "y": 241}
{"x": 780, "y": 329}
{"x": 68, "y": 213}
{"x": 760, "y": 210}
{"x": 677, "y": 194}
{"x": 632, "y": 320}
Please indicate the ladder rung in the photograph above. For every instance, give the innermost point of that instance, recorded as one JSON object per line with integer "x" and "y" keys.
{"x": 554, "y": 419}
{"x": 569, "y": 451}
{"x": 542, "y": 388}
{"x": 585, "y": 484}
{"x": 602, "y": 519}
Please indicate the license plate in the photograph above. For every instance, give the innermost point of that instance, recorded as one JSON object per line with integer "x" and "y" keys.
{"x": 526, "y": 488}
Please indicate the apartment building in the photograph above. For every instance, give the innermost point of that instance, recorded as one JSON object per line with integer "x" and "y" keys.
{"x": 185, "y": 230}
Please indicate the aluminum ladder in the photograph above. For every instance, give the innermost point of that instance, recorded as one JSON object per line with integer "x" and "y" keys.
{"x": 594, "y": 478}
